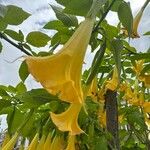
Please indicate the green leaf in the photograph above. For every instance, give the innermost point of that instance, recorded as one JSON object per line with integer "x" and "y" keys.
{"x": 14, "y": 120}
{"x": 140, "y": 56}
{"x": 14, "y": 35}
{"x": 116, "y": 5}
{"x": 35, "y": 98}
{"x": 147, "y": 33}
{"x": 68, "y": 20}
{"x": 37, "y": 39}
{"x": 15, "y": 15}
{"x": 4, "y": 104}
{"x": 78, "y": 7}
{"x": 1, "y": 47}
{"x": 3, "y": 10}
{"x": 21, "y": 88}
{"x": 125, "y": 16}
{"x": 3, "y": 92}
{"x": 3, "y": 25}
{"x": 117, "y": 46}
{"x": 55, "y": 25}
{"x": 23, "y": 71}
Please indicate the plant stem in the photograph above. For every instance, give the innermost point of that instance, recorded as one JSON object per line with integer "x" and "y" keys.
{"x": 103, "y": 16}
{"x": 112, "y": 118}
{"x": 14, "y": 44}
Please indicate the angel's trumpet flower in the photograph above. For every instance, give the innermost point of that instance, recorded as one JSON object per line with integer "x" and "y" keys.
{"x": 113, "y": 83}
{"x": 67, "y": 121}
{"x": 61, "y": 73}
{"x": 34, "y": 142}
{"x": 10, "y": 145}
{"x": 71, "y": 143}
{"x": 40, "y": 146}
{"x": 47, "y": 144}
{"x": 6, "y": 139}
{"x": 136, "y": 21}
{"x": 57, "y": 143}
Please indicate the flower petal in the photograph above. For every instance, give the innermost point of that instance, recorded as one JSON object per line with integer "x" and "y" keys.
{"x": 68, "y": 120}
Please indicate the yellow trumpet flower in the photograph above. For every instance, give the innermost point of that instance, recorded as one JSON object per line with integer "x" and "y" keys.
{"x": 47, "y": 144}
{"x": 6, "y": 139}
{"x": 71, "y": 143}
{"x": 93, "y": 91}
{"x": 146, "y": 107}
{"x": 57, "y": 143}
{"x": 40, "y": 146}
{"x": 113, "y": 83}
{"x": 61, "y": 73}
{"x": 136, "y": 22}
{"x": 68, "y": 120}
{"x": 10, "y": 145}
{"x": 34, "y": 142}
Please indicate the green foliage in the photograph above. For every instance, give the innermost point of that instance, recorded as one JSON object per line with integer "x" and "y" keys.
{"x": 3, "y": 10}
{"x": 14, "y": 35}
{"x": 1, "y": 47}
{"x": 76, "y": 7}
{"x": 28, "y": 111}
{"x": 15, "y": 15}
{"x": 3, "y": 24}
{"x": 37, "y": 39}
{"x": 125, "y": 16}
{"x": 23, "y": 71}
{"x": 68, "y": 20}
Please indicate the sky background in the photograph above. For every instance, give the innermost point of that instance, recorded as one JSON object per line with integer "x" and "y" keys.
{"x": 41, "y": 14}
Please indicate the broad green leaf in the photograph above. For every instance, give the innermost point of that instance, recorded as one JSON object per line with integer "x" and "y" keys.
{"x": 116, "y": 5}
{"x": 55, "y": 25}
{"x": 3, "y": 10}
{"x": 111, "y": 31}
{"x": 21, "y": 88}
{"x": 3, "y": 92}
{"x": 146, "y": 69}
{"x": 1, "y": 47}
{"x": 14, "y": 35}
{"x": 117, "y": 46}
{"x": 27, "y": 129}
{"x": 15, "y": 15}
{"x": 35, "y": 98}
{"x": 3, "y": 25}
{"x": 125, "y": 16}
{"x": 78, "y": 7}
{"x": 147, "y": 33}
{"x": 68, "y": 20}
{"x": 37, "y": 39}
{"x": 14, "y": 120}
{"x": 4, "y": 103}
{"x": 140, "y": 56}
{"x": 23, "y": 71}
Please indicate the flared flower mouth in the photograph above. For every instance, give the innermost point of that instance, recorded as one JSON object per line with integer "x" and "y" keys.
{"x": 68, "y": 120}
{"x": 61, "y": 73}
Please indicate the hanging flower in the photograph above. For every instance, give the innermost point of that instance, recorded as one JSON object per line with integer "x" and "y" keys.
{"x": 6, "y": 139}
{"x": 34, "y": 142}
{"x": 93, "y": 91}
{"x": 10, "y": 145}
{"x": 113, "y": 83}
{"x": 136, "y": 22}
{"x": 57, "y": 143}
{"x": 71, "y": 143}
{"x": 47, "y": 144}
{"x": 40, "y": 145}
{"x": 61, "y": 73}
{"x": 68, "y": 120}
